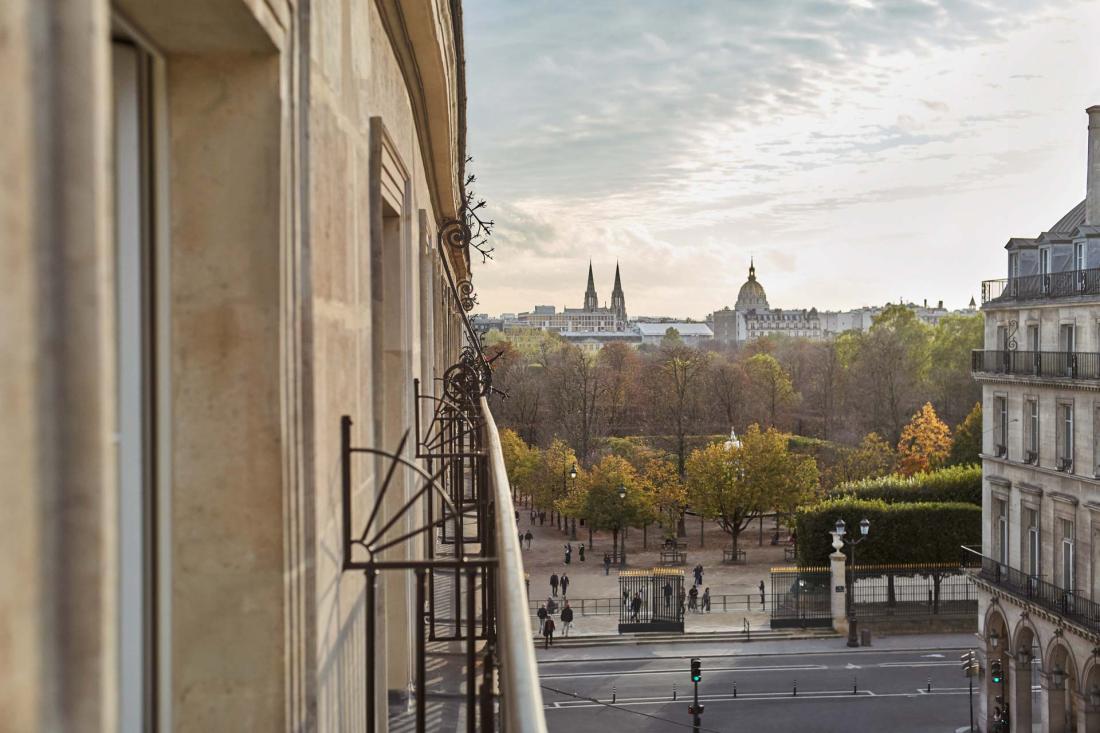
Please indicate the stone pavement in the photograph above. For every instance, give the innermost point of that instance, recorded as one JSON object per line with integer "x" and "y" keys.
{"x": 705, "y": 542}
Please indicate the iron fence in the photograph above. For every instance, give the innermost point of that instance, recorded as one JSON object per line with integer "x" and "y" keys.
{"x": 1064, "y": 364}
{"x": 719, "y": 603}
{"x": 800, "y": 597}
{"x": 651, "y": 599}
{"x": 912, "y": 590}
{"x": 1050, "y": 285}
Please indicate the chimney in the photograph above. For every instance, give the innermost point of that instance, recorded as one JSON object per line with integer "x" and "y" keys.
{"x": 1092, "y": 179}
{"x": 926, "y": 302}
{"x": 940, "y": 306}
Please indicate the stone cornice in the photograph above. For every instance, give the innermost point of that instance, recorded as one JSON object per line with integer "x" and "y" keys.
{"x": 1027, "y": 488}
{"x": 1081, "y": 385}
{"x": 999, "y": 481}
{"x": 1041, "y": 470}
{"x": 1065, "y": 498}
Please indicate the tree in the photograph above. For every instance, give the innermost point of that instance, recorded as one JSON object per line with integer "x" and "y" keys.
{"x": 925, "y": 442}
{"x": 873, "y": 458}
{"x": 771, "y": 386}
{"x": 597, "y": 497}
{"x": 665, "y": 486}
{"x": 953, "y": 387}
{"x": 967, "y": 447}
{"x": 520, "y": 460}
{"x": 736, "y": 485}
{"x": 577, "y": 389}
{"x": 727, "y": 386}
{"x": 552, "y": 475}
{"x": 620, "y": 368}
{"x": 673, "y": 380}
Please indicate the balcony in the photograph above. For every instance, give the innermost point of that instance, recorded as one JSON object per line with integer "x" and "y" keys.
{"x": 1040, "y": 364}
{"x": 1067, "y": 603}
{"x": 1068, "y": 284}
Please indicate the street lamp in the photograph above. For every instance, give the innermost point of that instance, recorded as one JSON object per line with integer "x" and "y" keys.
{"x": 622, "y": 512}
{"x": 573, "y": 520}
{"x": 841, "y": 529}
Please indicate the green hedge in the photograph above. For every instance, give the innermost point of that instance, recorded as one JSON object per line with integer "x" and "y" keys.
{"x": 900, "y": 533}
{"x": 955, "y": 484}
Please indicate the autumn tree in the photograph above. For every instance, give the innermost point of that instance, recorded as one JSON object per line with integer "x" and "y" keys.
{"x": 966, "y": 448}
{"x": 735, "y": 485}
{"x": 673, "y": 379}
{"x": 576, "y": 387}
{"x": 874, "y": 457}
{"x": 771, "y": 389}
{"x": 598, "y": 499}
{"x": 950, "y": 381}
{"x": 551, "y": 476}
{"x": 620, "y": 370}
{"x": 666, "y": 487}
{"x": 727, "y": 389}
{"x": 520, "y": 460}
{"x": 925, "y": 442}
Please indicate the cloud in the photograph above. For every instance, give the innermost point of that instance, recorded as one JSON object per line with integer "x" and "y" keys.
{"x": 692, "y": 132}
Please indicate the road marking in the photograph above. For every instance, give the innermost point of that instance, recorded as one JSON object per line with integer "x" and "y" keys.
{"x": 681, "y": 670}
{"x": 936, "y": 656}
{"x": 749, "y": 697}
{"x": 852, "y": 666}
{"x": 916, "y": 664}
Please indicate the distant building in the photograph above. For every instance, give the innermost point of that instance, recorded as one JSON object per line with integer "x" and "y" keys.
{"x": 591, "y": 318}
{"x": 752, "y": 318}
{"x": 692, "y": 334}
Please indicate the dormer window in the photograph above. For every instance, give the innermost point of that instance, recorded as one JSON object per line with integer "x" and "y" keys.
{"x": 1079, "y": 256}
{"x": 1044, "y": 261}
{"x": 1013, "y": 265}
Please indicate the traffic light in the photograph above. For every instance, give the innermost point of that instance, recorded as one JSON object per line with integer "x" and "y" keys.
{"x": 969, "y": 663}
{"x": 995, "y": 672}
{"x": 696, "y": 670}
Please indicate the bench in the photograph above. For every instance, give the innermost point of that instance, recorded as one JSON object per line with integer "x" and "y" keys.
{"x": 673, "y": 557}
{"x": 734, "y": 556}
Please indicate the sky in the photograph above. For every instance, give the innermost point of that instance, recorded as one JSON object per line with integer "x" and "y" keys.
{"x": 861, "y": 151}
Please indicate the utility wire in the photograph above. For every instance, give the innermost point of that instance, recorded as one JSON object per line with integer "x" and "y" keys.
{"x": 627, "y": 710}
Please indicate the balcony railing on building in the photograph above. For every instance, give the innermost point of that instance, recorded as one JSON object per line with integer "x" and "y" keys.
{"x": 1038, "y": 287}
{"x": 1066, "y": 602}
{"x": 445, "y": 488}
{"x": 1047, "y": 364}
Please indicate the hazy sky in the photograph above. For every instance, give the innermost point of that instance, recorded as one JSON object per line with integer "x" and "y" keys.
{"x": 861, "y": 150}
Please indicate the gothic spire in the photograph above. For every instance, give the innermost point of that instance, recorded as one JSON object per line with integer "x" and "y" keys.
{"x": 618, "y": 283}
{"x": 591, "y": 302}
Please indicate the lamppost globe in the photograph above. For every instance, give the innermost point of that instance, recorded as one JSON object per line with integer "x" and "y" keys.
{"x": 622, "y": 491}
{"x": 840, "y": 527}
{"x": 864, "y": 526}
{"x": 573, "y": 472}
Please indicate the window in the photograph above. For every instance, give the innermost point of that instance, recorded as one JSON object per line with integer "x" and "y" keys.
{"x": 1031, "y": 519}
{"x": 1067, "y": 337}
{"x": 1000, "y": 432}
{"x": 1031, "y": 423}
{"x": 1013, "y": 264}
{"x": 1067, "y": 575}
{"x": 1000, "y": 529}
{"x": 1065, "y": 437}
{"x": 1079, "y": 256}
{"x": 1044, "y": 261}
{"x": 1033, "y": 337}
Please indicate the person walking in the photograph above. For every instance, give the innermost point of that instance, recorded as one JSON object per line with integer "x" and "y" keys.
{"x": 564, "y": 584}
{"x": 528, "y": 537}
{"x": 554, "y": 584}
{"x": 693, "y": 598}
{"x": 606, "y": 564}
{"x": 542, "y": 614}
{"x": 568, "y": 552}
{"x": 698, "y": 571}
{"x": 527, "y": 583}
{"x": 668, "y": 594}
{"x": 635, "y": 607}
{"x": 706, "y": 600}
{"x": 521, "y": 539}
{"x": 551, "y": 606}
{"x": 548, "y": 633}
{"x": 761, "y": 587}
{"x": 566, "y": 619}
{"x": 582, "y": 552}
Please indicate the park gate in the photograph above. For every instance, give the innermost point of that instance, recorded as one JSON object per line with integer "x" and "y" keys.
{"x": 661, "y": 595}
{"x": 800, "y": 597}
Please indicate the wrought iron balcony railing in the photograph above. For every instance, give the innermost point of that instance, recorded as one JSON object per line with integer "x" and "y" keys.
{"x": 1039, "y": 287}
{"x": 1051, "y": 364}
{"x": 1066, "y": 602}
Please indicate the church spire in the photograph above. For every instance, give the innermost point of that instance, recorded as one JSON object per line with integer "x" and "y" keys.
{"x": 618, "y": 300}
{"x": 752, "y": 269}
{"x": 591, "y": 302}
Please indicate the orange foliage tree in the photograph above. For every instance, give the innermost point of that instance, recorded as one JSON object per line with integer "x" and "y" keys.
{"x": 925, "y": 442}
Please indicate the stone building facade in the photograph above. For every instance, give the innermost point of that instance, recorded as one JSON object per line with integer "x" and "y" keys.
{"x": 589, "y": 319}
{"x": 1039, "y": 587}
{"x": 220, "y": 235}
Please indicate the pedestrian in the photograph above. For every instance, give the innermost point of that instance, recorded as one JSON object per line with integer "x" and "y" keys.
{"x": 548, "y": 633}
{"x": 606, "y": 564}
{"x": 566, "y": 619}
{"x": 533, "y": 515}
{"x": 626, "y": 598}
{"x": 542, "y": 615}
{"x": 554, "y": 584}
{"x": 635, "y": 606}
{"x": 517, "y": 516}
{"x": 761, "y": 587}
{"x": 668, "y": 594}
{"x": 521, "y": 539}
{"x": 693, "y": 598}
{"x": 706, "y": 600}
{"x": 528, "y": 537}
{"x": 527, "y": 583}
{"x": 542, "y": 518}
{"x": 582, "y": 552}
{"x": 551, "y": 606}
{"x": 568, "y": 553}
{"x": 564, "y": 584}
{"x": 698, "y": 574}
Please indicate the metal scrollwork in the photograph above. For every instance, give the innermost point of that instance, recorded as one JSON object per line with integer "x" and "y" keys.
{"x": 1013, "y": 327}
{"x": 466, "y": 295}
{"x": 456, "y": 234}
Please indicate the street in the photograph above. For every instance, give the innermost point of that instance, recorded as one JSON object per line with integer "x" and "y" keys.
{"x": 891, "y": 690}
